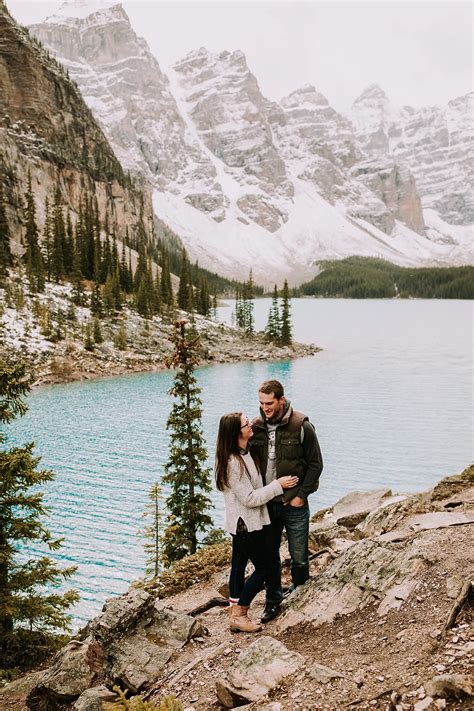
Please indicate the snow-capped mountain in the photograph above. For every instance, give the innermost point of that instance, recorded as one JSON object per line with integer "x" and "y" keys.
{"x": 434, "y": 143}
{"x": 246, "y": 182}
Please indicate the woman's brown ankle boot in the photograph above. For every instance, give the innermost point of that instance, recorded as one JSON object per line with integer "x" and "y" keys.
{"x": 239, "y": 620}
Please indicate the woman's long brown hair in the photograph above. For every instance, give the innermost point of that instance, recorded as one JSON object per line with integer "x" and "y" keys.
{"x": 227, "y": 445}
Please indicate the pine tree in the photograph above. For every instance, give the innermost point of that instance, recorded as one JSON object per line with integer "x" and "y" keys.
{"x": 166, "y": 290}
{"x": 125, "y": 281}
{"x": 285, "y": 318}
{"x": 59, "y": 238}
{"x": 69, "y": 246}
{"x": 97, "y": 333}
{"x": 29, "y": 615}
{"x": 48, "y": 238}
{"x": 88, "y": 339}
{"x": 5, "y": 250}
{"x": 239, "y": 309}
{"x": 185, "y": 471}
{"x": 154, "y": 531}
{"x": 184, "y": 282}
{"x": 96, "y": 300}
{"x": 204, "y": 302}
{"x": 33, "y": 257}
{"x": 120, "y": 338}
{"x": 273, "y": 329}
{"x": 249, "y": 294}
{"x": 78, "y": 290}
{"x": 157, "y": 292}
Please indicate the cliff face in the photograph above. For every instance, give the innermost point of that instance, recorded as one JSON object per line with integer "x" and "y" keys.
{"x": 46, "y": 128}
{"x": 434, "y": 142}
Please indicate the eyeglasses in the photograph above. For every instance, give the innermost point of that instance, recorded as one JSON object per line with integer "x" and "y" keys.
{"x": 247, "y": 424}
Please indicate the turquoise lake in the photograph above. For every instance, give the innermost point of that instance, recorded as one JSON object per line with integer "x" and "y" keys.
{"x": 390, "y": 395}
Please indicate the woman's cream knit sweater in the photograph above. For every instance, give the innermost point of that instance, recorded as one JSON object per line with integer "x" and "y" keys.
{"x": 245, "y": 496}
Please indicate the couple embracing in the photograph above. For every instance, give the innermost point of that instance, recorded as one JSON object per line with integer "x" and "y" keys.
{"x": 266, "y": 469}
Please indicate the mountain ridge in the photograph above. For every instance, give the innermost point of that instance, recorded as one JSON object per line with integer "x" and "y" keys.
{"x": 214, "y": 147}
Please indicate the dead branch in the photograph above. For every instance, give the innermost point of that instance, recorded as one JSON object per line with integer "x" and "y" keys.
{"x": 321, "y": 551}
{"x": 459, "y": 603}
{"x": 213, "y": 602}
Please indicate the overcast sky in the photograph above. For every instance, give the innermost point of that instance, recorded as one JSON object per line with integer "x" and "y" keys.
{"x": 419, "y": 52}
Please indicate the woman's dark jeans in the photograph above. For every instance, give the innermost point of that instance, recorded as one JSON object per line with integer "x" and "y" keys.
{"x": 247, "y": 546}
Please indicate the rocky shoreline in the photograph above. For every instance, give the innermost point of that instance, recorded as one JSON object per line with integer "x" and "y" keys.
{"x": 227, "y": 345}
{"x": 50, "y": 334}
{"x": 385, "y": 622}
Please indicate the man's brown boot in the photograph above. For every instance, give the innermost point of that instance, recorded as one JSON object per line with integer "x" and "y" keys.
{"x": 239, "y": 620}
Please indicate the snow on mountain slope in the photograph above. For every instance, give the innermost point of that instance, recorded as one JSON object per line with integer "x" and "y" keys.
{"x": 246, "y": 182}
{"x": 435, "y": 143}
{"x": 127, "y": 92}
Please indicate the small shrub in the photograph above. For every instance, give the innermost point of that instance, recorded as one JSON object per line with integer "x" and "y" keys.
{"x": 136, "y": 703}
{"x": 193, "y": 569}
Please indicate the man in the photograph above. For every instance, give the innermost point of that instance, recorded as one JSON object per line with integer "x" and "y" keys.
{"x": 285, "y": 442}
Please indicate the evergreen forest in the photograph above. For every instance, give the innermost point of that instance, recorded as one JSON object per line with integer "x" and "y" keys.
{"x": 367, "y": 278}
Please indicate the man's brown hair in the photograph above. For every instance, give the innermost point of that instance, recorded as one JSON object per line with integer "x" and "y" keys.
{"x": 270, "y": 387}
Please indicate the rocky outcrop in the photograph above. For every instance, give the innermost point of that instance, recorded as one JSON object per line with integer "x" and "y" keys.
{"x": 128, "y": 645}
{"x": 378, "y": 622}
{"x": 434, "y": 143}
{"x": 145, "y": 126}
{"x": 47, "y": 130}
{"x": 381, "y": 571}
{"x": 260, "y": 668}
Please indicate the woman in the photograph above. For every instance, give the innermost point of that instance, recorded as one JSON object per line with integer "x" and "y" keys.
{"x": 246, "y": 515}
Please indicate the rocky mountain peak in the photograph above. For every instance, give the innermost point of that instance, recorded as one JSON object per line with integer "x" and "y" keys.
{"x": 306, "y": 94}
{"x": 95, "y": 11}
{"x": 372, "y": 94}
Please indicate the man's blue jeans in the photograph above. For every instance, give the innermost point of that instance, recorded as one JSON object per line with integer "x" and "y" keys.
{"x": 295, "y": 520}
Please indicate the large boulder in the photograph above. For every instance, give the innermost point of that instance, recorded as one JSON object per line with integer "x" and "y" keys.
{"x": 258, "y": 669}
{"x": 121, "y": 614}
{"x": 366, "y": 572}
{"x": 128, "y": 644}
{"x": 136, "y": 659}
{"x": 75, "y": 669}
{"x": 94, "y": 699}
{"x": 356, "y": 505}
{"x": 451, "y": 686}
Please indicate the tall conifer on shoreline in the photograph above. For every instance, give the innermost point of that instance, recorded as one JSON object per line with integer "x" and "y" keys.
{"x": 185, "y": 472}
{"x": 30, "y": 616}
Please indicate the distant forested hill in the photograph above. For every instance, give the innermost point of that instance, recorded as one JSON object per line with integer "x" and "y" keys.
{"x": 366, "y": 278}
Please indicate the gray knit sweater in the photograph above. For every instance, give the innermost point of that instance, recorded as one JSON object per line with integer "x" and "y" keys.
{"x": 245, "y": 496}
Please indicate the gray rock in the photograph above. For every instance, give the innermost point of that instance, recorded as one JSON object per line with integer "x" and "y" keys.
{"x": 451, "y": 686}
{"x": 452, "y": 485}
{"x": 136, "y": 660}
{"x": 453, "y": 586}
{"x": 73, "y": 671}
{"x": 358, "y": 504}
{"x": 258, "y": 669}
{"x": 94, "y": 698}
{"x": 121, "y": 613}
{"x": 323, "y": 674}
{"x": 364, "y": 573}
{"x": 19, "y": 687}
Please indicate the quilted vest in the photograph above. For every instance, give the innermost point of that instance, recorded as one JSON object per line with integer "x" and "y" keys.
{"x": 289, "y": 450}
